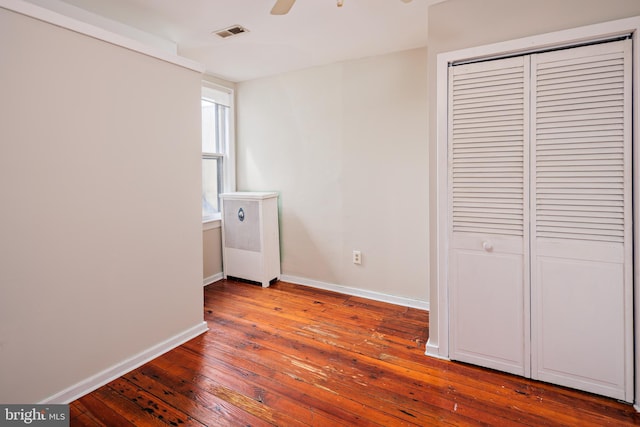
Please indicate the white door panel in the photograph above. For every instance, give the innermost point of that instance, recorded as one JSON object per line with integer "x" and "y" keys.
{"x": 487, "y": 309}
{"x": 581, "y": 218}
{"x": 580, "y": 341}
{"x": 488, "y": 169}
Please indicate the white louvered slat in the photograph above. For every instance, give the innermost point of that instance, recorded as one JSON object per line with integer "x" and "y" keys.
{"x": 579, "y": 148}
{"x": 487, "y": 148}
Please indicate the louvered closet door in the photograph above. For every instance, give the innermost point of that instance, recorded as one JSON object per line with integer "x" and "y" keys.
{"x": 581, "y": 218}
{"x": 488, "y": 224}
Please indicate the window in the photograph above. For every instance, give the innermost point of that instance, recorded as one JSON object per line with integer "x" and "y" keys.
{"x": 217, "y": 149}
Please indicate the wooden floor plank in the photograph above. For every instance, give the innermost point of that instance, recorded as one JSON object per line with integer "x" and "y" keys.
{"x": 213, "y": 399}
{"x": 283, "y": 409}
{"x": 291, "y": 355}
{"x": 285, "y": 380}
{"x": 82, "y": 416}
{"x": 374, "y": 375}
{"x": 155, "y": 410}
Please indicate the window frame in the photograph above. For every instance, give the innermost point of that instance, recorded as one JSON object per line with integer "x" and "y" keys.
{"x": 221, "y": 95}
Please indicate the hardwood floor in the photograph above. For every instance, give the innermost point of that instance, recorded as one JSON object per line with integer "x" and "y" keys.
{"x": 291, "y": 355}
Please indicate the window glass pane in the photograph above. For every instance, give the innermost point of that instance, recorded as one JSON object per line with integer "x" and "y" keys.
{"x": 209, "y": 125}
{"x": 215, "y": 127}
{"x": 211, "y": 184}
{"x": 222, "y": 128}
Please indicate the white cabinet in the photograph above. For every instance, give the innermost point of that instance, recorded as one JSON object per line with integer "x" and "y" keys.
{"x": 250, "y": 236}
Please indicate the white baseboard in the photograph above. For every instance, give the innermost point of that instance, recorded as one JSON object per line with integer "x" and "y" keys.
{"x": 92, "y": 383}
{"x": 434, "y": 351}
{"x": 211, "y": 279}
{"x": 377, "y": 296}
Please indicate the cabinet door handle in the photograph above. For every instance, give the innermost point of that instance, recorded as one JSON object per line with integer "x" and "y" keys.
{"x": 487, "y": 246}
{"x": 241, "y": 214}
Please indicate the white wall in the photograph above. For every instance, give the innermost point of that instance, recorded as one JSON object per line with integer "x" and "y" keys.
{"x": 211, "y": 253}
{"x": 458, "y": 24}
{"x": 346, "y": 147}
{"x": 100, "y": 222}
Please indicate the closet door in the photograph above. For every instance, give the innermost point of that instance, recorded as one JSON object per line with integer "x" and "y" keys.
{"x": 581, "y": 218}
{"x": 488, "y": 223}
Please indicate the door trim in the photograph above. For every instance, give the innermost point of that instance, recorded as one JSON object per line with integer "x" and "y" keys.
{"x": 438, "y": 343}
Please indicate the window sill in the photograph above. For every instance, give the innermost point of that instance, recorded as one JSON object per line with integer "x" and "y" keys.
{"x": 211, "y": 223}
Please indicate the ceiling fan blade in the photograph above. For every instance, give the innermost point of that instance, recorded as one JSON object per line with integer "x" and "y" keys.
{"x": 282, "y": 7}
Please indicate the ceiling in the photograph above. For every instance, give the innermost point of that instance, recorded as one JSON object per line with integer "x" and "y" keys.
{"x": 313, "y": 33}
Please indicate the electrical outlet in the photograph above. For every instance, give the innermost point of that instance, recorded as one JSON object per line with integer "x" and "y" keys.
{"x": 357, "y": 257}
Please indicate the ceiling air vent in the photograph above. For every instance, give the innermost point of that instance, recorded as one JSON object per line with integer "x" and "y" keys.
{"x": 231, "y": 31}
